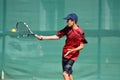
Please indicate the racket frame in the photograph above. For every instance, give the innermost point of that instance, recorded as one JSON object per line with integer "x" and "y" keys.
{"x": 28, "y": 28}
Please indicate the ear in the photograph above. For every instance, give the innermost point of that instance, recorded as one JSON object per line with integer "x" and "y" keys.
{"x": 74, "y": 21}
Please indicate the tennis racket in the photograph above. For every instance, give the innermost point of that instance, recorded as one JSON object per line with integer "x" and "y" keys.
{"x": 23, "y": 30}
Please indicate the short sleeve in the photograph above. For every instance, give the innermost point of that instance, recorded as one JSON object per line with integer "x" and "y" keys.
{"x": 62, "y": 32}
{"x": 83, "y": 39}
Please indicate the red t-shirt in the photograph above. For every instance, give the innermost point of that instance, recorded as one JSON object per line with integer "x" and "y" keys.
{"x": 74, "y": 37}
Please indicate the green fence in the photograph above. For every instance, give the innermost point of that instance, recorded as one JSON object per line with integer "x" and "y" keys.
{"x": 31, "y": 59}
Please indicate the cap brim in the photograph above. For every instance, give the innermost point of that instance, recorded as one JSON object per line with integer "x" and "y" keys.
{"x": 65, "y": 18}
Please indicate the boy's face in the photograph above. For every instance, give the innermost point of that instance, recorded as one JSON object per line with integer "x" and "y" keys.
{"x": 70, "y": 22}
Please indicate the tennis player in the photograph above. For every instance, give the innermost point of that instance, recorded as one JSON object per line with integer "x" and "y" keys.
{"x": 75, "y": 41}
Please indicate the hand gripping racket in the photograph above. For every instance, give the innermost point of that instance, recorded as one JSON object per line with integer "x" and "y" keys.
{"x": 23, "y": 30}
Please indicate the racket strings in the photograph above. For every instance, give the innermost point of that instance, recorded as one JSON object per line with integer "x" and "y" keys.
{"x": 23, "y": 30}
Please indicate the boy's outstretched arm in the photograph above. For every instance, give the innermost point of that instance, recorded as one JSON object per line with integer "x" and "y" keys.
{"x": 53, "y": 37}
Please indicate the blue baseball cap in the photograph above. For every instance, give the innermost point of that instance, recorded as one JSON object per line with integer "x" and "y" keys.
{"x": 72, "y": 16}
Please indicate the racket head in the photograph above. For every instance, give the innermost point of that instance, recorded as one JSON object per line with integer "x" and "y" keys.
{"x": 23, "y": 29}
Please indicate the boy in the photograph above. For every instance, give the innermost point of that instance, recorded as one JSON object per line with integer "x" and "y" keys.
{"x": 75, "y": 41}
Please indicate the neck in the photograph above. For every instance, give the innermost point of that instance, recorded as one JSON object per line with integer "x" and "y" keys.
{"x": 75, "y": 26}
